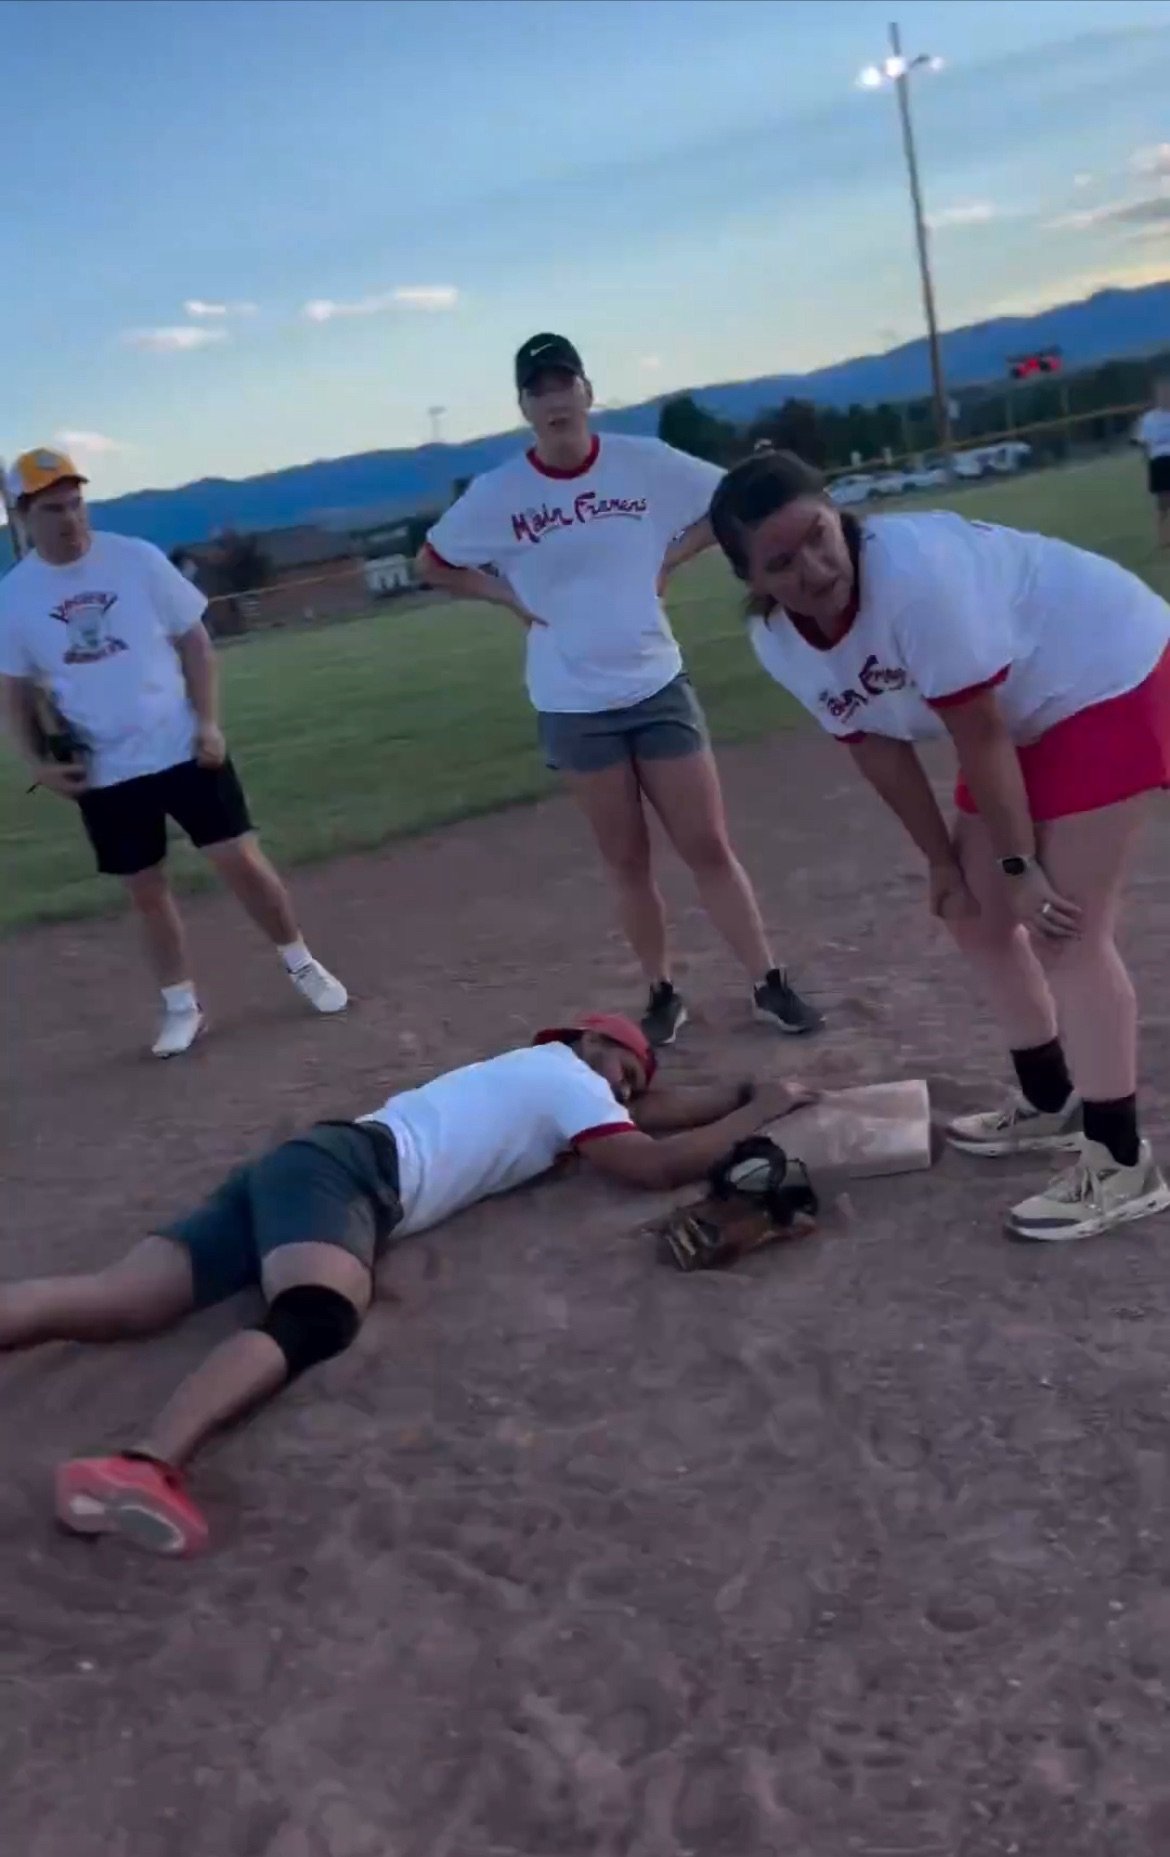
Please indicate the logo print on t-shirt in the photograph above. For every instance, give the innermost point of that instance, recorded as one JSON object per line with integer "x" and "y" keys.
{"x": 875, "y": 679}
{"x": 531, "y": 525}
{"x": 87, "y": 616}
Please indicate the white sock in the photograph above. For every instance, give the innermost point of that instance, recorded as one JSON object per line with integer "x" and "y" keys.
{"x": 181, "y": 998}
{"x": 295, "y": 956}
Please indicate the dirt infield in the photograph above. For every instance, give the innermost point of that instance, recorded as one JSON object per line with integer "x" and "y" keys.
{"x": 859, "y": 1549}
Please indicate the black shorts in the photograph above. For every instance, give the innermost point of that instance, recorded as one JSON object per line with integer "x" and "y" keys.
{"x": 127, "y": 823}
{"x": 336, "y": 1184}
{"x": 1158, "y": 476}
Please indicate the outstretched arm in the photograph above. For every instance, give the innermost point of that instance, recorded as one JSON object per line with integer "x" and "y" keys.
{"x": 635, "y": 1158}
{"x": 666, "y": 1112}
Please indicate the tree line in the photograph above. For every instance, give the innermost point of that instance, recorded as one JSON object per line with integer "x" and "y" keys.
{"x": 835, "y": 438}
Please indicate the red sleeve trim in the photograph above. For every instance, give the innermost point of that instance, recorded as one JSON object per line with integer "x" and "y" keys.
{"x": 428, "y": 548}
{"x": 955, "y": 697}
{"x": 605, "y": 1128}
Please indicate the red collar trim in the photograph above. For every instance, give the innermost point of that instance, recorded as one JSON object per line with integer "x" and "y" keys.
{"x": 550, "y": 470}
{"x": 809, "y": 630}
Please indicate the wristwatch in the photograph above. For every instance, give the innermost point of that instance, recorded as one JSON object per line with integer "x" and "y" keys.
{"x": 1017, "y": 866}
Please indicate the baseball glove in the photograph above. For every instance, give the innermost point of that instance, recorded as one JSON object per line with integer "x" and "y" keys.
{"x": 756, "y": 1196}
{"x": 53, "y": 737}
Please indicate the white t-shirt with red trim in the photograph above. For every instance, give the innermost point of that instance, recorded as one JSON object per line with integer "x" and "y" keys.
{"x": 947, "y": 608}
{"x": 582, "y": 550}
{"x": 488, "y": 1127}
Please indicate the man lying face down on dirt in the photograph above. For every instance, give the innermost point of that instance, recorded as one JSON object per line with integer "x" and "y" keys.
{"x": 307, "y": 1221}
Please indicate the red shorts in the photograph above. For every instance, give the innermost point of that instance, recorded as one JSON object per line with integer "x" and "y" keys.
{"x": 1099, "y": 757}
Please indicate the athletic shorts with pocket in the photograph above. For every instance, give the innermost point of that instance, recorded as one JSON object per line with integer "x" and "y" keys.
{"x": 336, "y": 1184}
{"x": 1158, "y": 476}
{"x": 663, "y": 727}
{"x": 127, "y": 823}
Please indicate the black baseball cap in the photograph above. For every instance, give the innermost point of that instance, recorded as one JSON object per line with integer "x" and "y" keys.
{"x": 546, "y": 351}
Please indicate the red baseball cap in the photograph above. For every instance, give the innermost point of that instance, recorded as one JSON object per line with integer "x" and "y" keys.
{"x": 612, "y": 1025}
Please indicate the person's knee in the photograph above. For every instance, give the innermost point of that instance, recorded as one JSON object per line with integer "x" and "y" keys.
{"x": 628, "y": 859}
{"x": 706, "y": 852}
{"x": 236, "y": 854}
{"x": 1084, "y": 955}
{"x": 149, "y": 890}
{"x": 310, "y": 1324}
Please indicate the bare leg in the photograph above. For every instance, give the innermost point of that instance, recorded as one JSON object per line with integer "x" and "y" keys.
{"x": 154, "y": 903}
{"x": 612, "y": 803}
{"x": 248, "y": 1368}
{"x": 1087, "y": 857}
{"x": 685, "y": 793}
{"x": 1164, "y": 522}
{"x": 255, "y": 883}
{"x": 1001, "y": 953}
{"x": 147, "y": 1290}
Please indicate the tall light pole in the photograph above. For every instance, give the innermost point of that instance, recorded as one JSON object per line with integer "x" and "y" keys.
{"x": 896, "y": 70}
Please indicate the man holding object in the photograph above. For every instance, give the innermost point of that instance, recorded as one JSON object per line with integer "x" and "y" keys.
{"x": 113, "y": 635}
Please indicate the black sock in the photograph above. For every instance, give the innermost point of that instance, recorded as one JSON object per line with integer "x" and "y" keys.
{"x": 1115, "y": 1126}
{"x": 1043, "y": 1076}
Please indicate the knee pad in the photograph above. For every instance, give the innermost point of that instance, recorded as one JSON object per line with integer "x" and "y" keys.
{"x": 310, "y": 1324}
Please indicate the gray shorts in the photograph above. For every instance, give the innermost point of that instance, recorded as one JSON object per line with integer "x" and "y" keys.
{"x": 661, "y": 728}
{"x": 336, "y": 1184}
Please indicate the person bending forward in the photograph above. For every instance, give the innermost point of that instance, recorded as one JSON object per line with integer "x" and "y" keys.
{"x": 1049, "y": 670}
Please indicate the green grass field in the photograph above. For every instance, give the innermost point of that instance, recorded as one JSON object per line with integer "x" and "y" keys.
{"x": 404, "y": 720}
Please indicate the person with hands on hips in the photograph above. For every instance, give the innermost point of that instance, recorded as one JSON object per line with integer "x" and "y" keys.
{"x": 1049, "y": 669}
{"x": 107, "y": 630}
{"x": 580, "y": 534}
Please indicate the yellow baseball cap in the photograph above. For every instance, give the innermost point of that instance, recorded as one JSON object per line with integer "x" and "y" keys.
{"x": 35, "y": 471}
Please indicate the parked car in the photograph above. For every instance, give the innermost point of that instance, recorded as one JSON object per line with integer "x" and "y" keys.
{"x": 994, "y": 460}
{"x": 892, "y": 483}
{"x": 856, "y": 488}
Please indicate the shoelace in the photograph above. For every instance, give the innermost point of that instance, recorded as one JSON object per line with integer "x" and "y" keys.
{"x": 1076, "y": 1187}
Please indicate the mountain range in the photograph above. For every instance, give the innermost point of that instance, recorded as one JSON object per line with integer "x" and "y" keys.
{"x": 381, "y": 485}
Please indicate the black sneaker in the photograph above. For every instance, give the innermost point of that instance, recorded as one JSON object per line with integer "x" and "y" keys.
{"x": 665, "y": 1014}
{"x": 780, "y": 1005}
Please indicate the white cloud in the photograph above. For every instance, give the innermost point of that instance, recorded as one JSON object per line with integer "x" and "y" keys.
{"x": 1153, "y": 160}
{"x": 408, "y": 296}
{"x": 196, "y": 306}
{"x": 90, "y": 444}
{"x": 1152, "y": 211}
{"x": 967, "y": 213}
{"x": 1127, "y": 275}
{"x": 427, "y": 296}
{"x": 1083, "y": 180}
{"x": 651, "y": 363}
{"x": 173, "y": 340}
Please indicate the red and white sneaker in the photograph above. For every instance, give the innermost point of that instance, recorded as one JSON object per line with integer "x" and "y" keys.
{"x": 142, "y": 1501}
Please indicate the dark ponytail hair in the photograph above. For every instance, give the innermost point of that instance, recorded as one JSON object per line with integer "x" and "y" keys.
{"x": 754, "y": 490}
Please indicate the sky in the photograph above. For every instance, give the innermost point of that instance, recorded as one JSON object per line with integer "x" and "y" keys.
{"x": 240, "y": 234}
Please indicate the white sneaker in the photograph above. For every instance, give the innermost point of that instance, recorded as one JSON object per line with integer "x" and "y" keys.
{"x": 316, "y": 984}
{"x": 181, "y": 1026}
{"x": 1017, "y": 1128}
{"x": 1094, "y": 1196}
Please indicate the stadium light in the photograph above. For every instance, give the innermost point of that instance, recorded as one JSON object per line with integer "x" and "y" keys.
{"x": 897, "y": 70}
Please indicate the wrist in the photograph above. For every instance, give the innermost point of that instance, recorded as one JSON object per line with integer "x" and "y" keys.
{"x": 1018, "y": 863}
